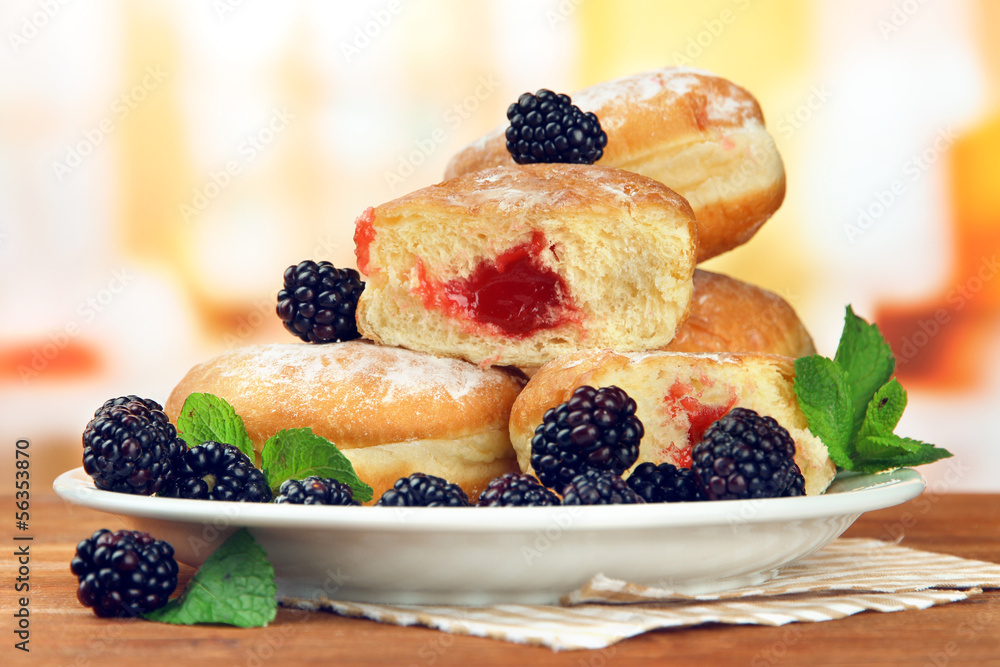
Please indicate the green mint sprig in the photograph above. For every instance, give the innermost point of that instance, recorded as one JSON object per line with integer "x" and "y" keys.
{"x": 234, "y": 586}
{"x": 288, "y": 454}
{"x": 853, "y": 404}
{"x": 296, "y": 453}
{"x": 205, "y": 417}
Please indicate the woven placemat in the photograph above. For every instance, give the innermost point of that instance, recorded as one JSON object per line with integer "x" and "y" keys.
{"x": 845, "y": 577}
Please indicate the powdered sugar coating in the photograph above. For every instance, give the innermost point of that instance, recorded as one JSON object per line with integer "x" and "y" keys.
{"x": 537, "y": 189}
{"x": 724, "y": 102}
{"x": 387, "y": 372}
{"x": 732, "y": 109}
{"x": 721, "y": 357}
{"x": 497, "y": 187}
{"x": 641, "y": 87}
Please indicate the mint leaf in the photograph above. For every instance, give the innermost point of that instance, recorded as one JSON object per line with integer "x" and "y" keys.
{"x": 825, "y": 399}
{"x": 234, "y": 586}
{"x": 853, "y": 404}
{"x": 206, "y": 417}
{"x": 887, "y": 452}
{"x": 877, "y": 447}
{"x": 867, "y": 361}
{"x": 884, "y": 410}
{"x": 298, "y": 452}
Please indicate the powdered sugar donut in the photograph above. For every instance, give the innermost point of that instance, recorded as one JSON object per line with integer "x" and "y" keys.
{"x": 391, "y": 411}
{"x": 517, "y": 265}
{"x": 695, "y": 132}
{"x": 678, "y": 395}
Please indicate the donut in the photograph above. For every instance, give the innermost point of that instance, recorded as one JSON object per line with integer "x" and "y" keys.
{"x": 391, "y": 411}
{"x": 729, "y": 315}
{"x": 696, "y": 132}
{"x": 678, "y": 395}
{"x": 518, "y": 265}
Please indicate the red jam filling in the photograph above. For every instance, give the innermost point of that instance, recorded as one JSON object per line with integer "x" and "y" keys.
{"x": 514, "y": 294}
{"x": 682, "y": 399}
{"x": 364, "y": 234}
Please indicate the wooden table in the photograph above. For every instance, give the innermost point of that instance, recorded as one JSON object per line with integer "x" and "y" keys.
{"x": 65, "y": 633}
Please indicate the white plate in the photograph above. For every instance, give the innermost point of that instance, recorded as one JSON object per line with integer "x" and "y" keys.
{"x": 529, "y": 555}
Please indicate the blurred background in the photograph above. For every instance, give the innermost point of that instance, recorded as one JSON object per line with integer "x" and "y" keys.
{"x": 162, "y": 162}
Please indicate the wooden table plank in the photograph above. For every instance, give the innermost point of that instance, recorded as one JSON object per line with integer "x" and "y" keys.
{"x": 65, "y": 633}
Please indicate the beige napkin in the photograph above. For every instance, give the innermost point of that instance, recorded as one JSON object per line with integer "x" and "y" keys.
{"x": 845, "y": 577}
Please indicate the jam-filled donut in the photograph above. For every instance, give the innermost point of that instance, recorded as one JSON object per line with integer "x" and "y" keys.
{"x": 518, "y": 265}
{"x": 730, "y": 315}
{"x": 392, "y": 412}
{"x": 696, "y": 132}
{"x": 678, "y": 396}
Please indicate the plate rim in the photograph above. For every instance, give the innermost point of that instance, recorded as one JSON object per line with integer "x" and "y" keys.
{"x": 881, "y": 490}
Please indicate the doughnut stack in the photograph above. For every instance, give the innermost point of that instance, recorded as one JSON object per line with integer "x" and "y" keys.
{"x": 567, "y": 274}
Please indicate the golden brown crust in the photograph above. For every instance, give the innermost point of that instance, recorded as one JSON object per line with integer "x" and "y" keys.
{"x": 635, "y": 112}
{"x": 361, "y": 396}
{"x": 469, "y": 462}
{"x": 729, "y": 315}
{"x": 696, "y": 132}
{"x": 729, "y": 223}
{"x": 658, "y": 381}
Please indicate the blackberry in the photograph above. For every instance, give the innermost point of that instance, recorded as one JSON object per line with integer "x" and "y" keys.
{"x": 126, "y": 573}
{"x": 318, "y": 302}
{"x": 664, "y": 483}
{"x": 745, "y": 455}
{"x": 596, "y": 487}
{"x": 596, "y": 429}
{"x": 546, "y": 127}
{"x": 215, "y": 471}
{"x": 421, "y": 490}
{"x": 315, "y": 491}
{"x": 516, "y": 490}
{"x": 130, "y": 446}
